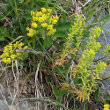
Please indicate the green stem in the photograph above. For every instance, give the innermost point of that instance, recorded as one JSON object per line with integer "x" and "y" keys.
{"x": 50, "y": 58}
{"x": 44, "y": 46}
{"x": 34, "y": 59}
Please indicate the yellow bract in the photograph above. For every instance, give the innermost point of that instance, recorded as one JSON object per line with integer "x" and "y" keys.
{"x": 6, "y": 60}
{"x": 34, "y": 25}
{"x": 25, "y": 47}
{"x": 44, "y": 25}
{"x": 49, "y": 10}
{"x": 54, "y": 21}
{"x": 27, "y": 28}
{"x": 9, "y": 52}
{"x": 51, "y": 32}
{"x": 31, "y": 32}
{"x": 49, "y": 27}
{"x": 43, "y": 10}
{"x": 32, "y": 13}
{"x": 42, "y": 19}
{"x": 38, "y": 14}
{"x": 13, "y": 56}
{"x": 106, "y": 107}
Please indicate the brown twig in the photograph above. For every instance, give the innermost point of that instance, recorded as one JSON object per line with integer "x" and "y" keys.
{"x": 29, "y": 50}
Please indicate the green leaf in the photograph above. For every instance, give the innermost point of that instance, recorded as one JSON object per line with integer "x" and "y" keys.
{"x": 86, "y": 33}
{"x": 27, "y": 16}
{"x": 60, "y": 70}
{"x": 64, "y": 18}
{"x": 60, "y": 34}
{"x": 59, "y": 44}
{"x": 2, "y": 38}
{"x": 3, "y": 33}
{"x": 62, "y": 92}
{"x": 48, "y": 41}
{"x": 56, "y": 91}
{"x": 77, "y": 80}
{"x": 96, "y": 93}
{"x": 68, "y": 65}
{"x": 107, "y": 97}
{"x": 63, "y": 26}
{"x": 25, "y": 56}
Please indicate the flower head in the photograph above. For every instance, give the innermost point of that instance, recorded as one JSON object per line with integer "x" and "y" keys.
{"x": 9, "y": 52}
{"x": 42, "y": 20}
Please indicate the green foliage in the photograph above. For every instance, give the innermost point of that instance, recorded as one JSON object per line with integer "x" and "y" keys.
{"x": 74, "y": 37}
{"x": 86, "y": 77}
{"x": 58, "y": 50}
{"x": 106, "y": 51}
{"x": 3, "y": 34}
{"x": 58, "y": 93}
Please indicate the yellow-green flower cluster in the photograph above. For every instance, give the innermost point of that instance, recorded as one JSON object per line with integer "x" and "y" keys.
{"x": 106, "y": 107}
{"x": 42, "y": 19}
{"x": 74, "y": 35}
{"x": 107, "y": 50}
{"x": 31, "y": 32}
{"x": 95, "y": 32}
{"x": 9, "y": 52}
{"x": 87, "y": 75}
{"x": 93, "y": 44}
{"x": 100, "y": 67}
